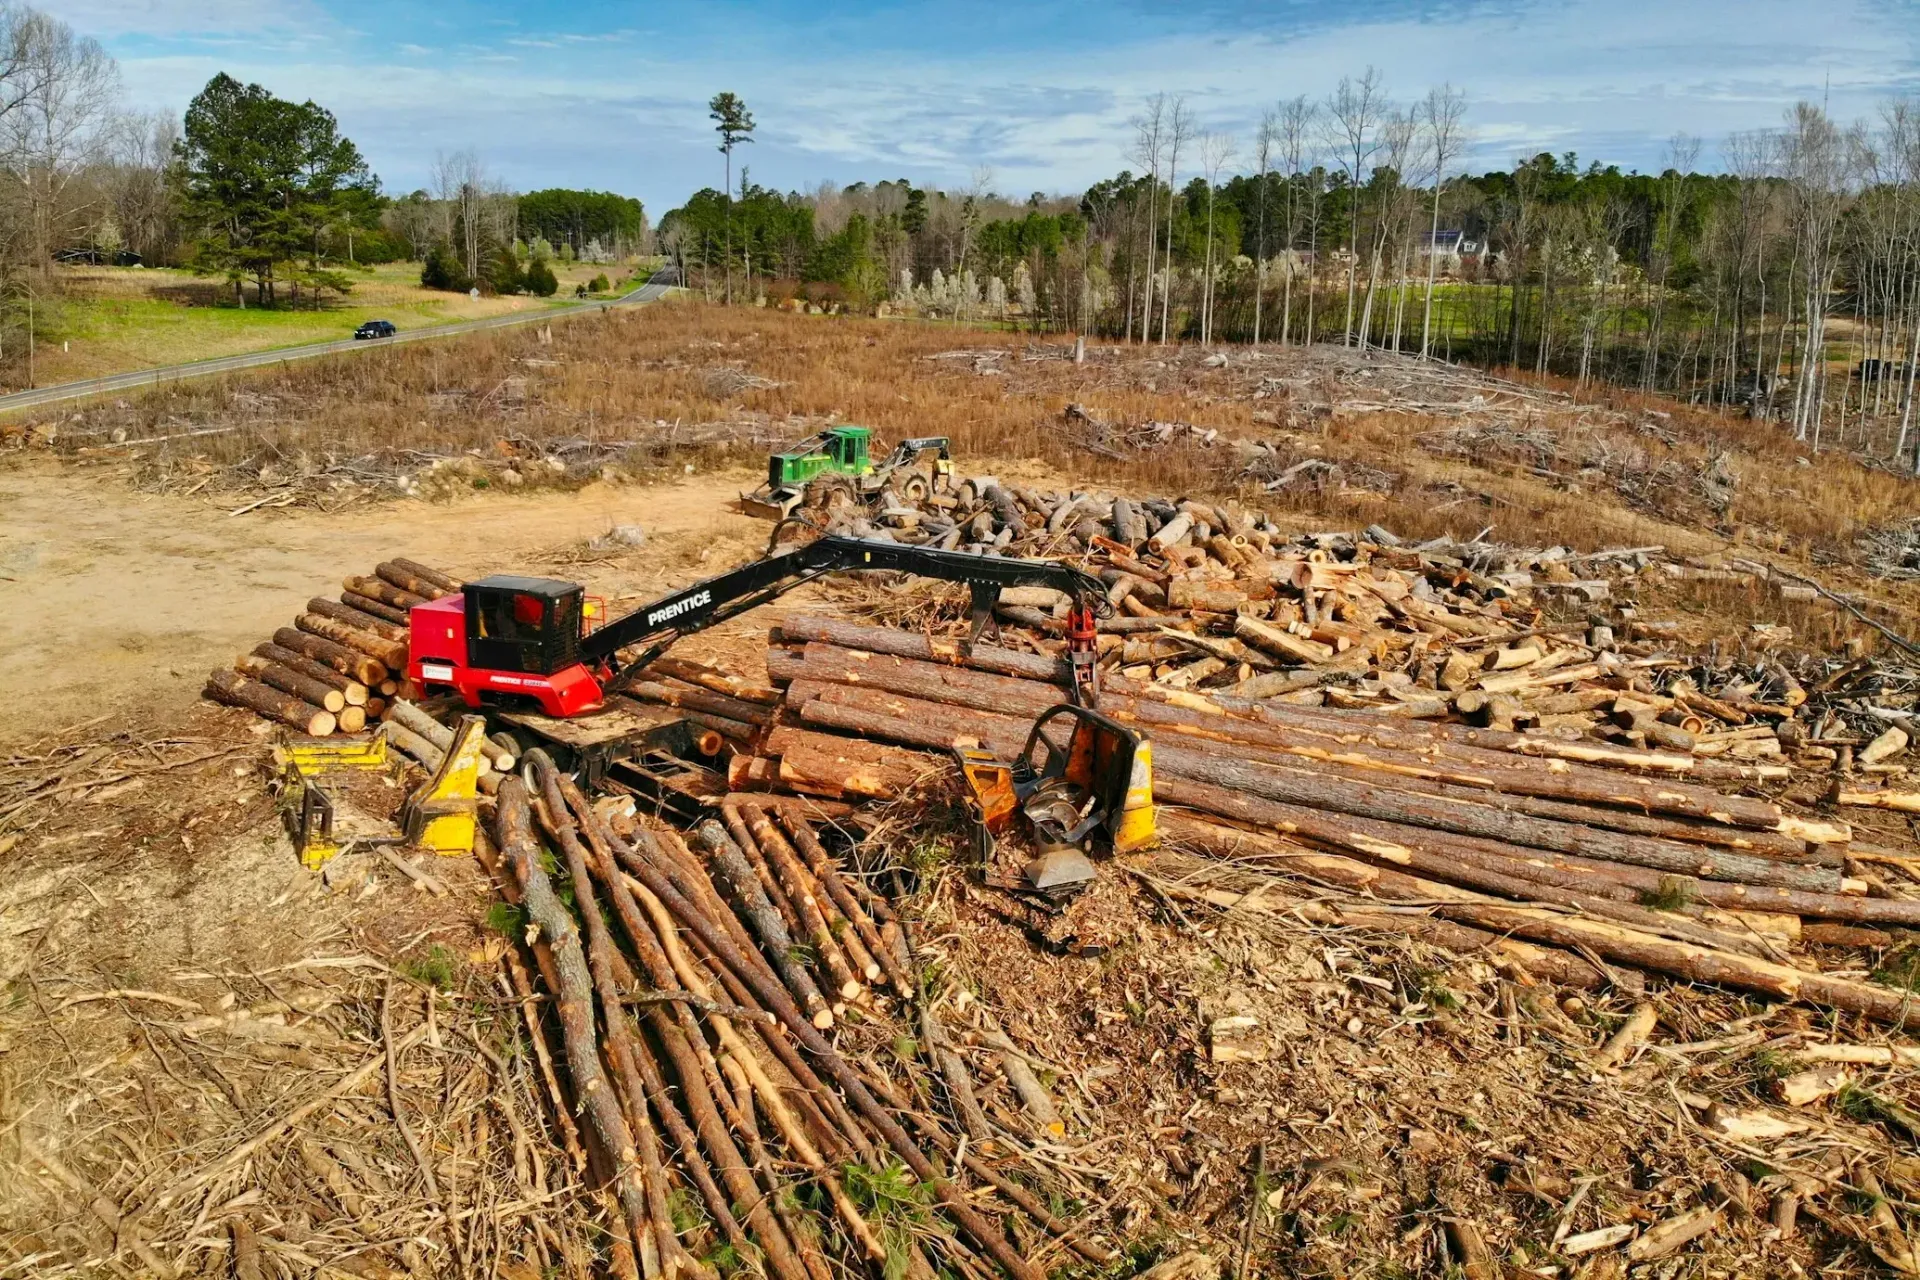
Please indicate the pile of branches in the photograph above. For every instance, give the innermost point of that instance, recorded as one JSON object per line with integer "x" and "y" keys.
{"x": 352, "y": 1125}
{"x": 693, "y": 984}
{"x": 1647, "y": 479}
{"x": 1892, "y": 551}
{"x": 1119, "y": 441}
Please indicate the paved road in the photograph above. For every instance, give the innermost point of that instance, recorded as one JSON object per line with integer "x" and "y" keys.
{"x": 655, "y": 288}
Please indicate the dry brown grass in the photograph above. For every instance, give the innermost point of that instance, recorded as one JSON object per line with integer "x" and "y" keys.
{"x": 655, "y": 378}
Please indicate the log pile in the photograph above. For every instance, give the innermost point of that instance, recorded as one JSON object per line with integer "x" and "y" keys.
{"x": 684, "y": 996}
{"x": 1646, "y": 858}
{"x": 1218, "y": 599}
{"x": 342, "y": 662}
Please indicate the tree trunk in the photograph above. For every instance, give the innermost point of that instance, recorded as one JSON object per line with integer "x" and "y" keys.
{"x": 236, "y": 690}
{"x": 355, "y": 692}
{"x": 714, "y": 704}
{"x": 360, "y": 620}
{"x": 413, "y": 580}
{"x": 1416, "y": 751}
{"x": 776, "y": 943}
{"x": 287, "y": 680}
{"x": 391, "y": 654}
{"x": 375, "y": 608}
{"x": 593, "y": 1092}
{"x": 383, "y": 591}
{"x": 366, "y": 670}
{"x": 987, "y": 1236}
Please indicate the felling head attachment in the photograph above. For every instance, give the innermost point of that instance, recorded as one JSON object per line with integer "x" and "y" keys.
{"x": 1088, "y": 788}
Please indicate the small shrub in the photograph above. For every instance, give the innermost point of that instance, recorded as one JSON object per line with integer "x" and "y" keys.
{"x": 599, "y": 284}
{"x": 540, "y": 280}
{"x": 435, "y": 969}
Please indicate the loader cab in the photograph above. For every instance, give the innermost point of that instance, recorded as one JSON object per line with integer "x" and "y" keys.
{"x": 843, "y": 450}
{"x": 848, "y": 448}
{"x": 526, "y": 625}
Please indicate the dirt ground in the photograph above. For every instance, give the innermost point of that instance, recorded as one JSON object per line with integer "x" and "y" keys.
{"x": 120, "y": 602}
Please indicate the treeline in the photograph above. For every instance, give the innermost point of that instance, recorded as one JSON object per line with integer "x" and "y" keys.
{"x": 1782, "y": 280}
{"x": 267, "y": 194}
{"x": 861, "y": 245}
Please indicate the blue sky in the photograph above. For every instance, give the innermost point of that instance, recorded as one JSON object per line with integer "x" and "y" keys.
{"x": 1037, "y": 92}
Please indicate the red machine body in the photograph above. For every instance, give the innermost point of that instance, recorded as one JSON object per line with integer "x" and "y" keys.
{"x": 439, "y": 655}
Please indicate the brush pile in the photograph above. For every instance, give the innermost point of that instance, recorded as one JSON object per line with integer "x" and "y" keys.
{"x": 342, "y": 661}
{"x": 695, "y": 983}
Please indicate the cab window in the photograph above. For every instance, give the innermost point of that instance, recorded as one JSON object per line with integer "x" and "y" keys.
{"x": 514, "y": 616}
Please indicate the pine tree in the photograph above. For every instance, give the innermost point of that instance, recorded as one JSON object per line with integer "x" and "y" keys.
{"x": 263, "y": 179}
{"x": 540, "y": 280}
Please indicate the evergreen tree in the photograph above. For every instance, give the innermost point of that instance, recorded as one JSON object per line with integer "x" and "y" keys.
{"x": 263, "y": 181}
{"x": 504, "y": 274}
{"x": 442, "y": 270}
{"x": 734, "y": 123}
{"x": 540, "y": 280}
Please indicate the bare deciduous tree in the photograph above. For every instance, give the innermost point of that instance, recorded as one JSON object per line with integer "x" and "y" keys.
{"x": 1149, "y": 139}
{"x": 1263, "y": 144}
{"x": 1396, "y": 140}
{"x": 1819, "y": 160}
{"x": 1297, "y": 119}
{"x": 1180, "y": 127}
{"x": 1443, "y": 113}
{"x": 58, "y": 122}
{"x": 1216, "y": 149}
{"x": 1353, "y": 114}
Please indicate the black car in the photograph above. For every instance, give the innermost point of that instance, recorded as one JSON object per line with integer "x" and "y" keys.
{"x": 375, "y": 329}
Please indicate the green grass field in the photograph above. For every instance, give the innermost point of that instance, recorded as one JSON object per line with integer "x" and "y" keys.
{"x": 116, "y": 319}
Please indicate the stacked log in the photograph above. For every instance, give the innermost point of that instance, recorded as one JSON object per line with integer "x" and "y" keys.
{"x": 1664, "y": 869}
{"x": 341, "y": 660}
{"x": 689, "y": 988}
{"x": 238, "y": 691}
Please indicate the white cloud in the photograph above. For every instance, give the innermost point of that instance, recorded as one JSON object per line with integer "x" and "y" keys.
{"x": 1612, "y": 80}
{"x": 115, "y": 19}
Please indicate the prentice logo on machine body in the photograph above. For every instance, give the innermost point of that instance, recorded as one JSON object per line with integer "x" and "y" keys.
{"x": 679, "y": 607}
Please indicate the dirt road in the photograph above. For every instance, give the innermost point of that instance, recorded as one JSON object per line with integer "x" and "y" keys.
{"x": 114, "y": 601}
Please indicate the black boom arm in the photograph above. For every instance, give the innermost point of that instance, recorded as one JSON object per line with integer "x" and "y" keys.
{"x": 913, "y": 448}
{"x": 716, "y": 599}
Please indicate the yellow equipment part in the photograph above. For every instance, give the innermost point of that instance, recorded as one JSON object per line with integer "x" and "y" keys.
{"x": 990, "y": 793}
{"x": 1137, "y": 826}
{"x": 1104, "y": 773}
{"x": 315, "y": 756}
{"x": 309, "y": 810}
{"x": 440, "y": 816}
